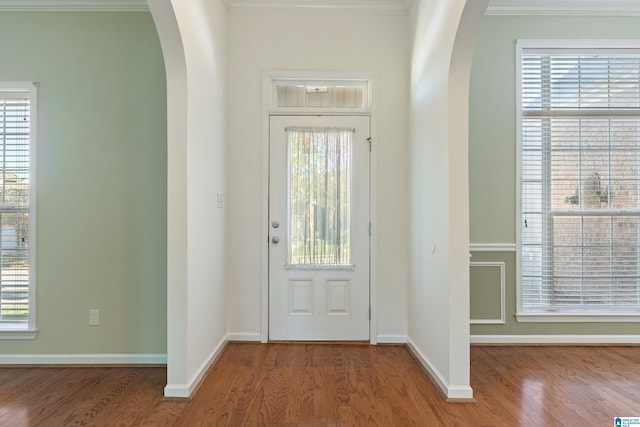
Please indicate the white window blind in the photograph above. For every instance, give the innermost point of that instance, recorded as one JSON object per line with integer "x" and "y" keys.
{"x": 580, "y": 181}
{"x": 15, "y": 140}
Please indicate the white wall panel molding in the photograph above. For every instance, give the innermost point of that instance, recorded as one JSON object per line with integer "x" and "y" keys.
{"x": 555, "y": 339}
{"x": 397, "y": 7}
{"x": 492, "y": 247}
{"x": 501, "y": 319}
{"x": 73, "y": 6}
{"x": 83, "y": 359}
{"x": 564, "y": 7}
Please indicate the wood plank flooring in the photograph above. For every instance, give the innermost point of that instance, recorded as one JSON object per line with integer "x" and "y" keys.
{"x": 336, "y": 385}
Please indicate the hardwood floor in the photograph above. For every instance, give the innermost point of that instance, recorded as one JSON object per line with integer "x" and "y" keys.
{"x": 331, "y": 385}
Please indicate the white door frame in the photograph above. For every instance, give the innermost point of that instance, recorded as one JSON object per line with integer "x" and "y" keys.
{"x": 267, "y": 111}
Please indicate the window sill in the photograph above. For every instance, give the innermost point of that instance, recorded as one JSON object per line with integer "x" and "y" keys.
{"x": 7, "y": 333}
{"x": 577, "y": 317}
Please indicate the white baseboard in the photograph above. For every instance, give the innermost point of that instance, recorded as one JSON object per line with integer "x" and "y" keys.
{"x": 449, "y": 391}
{"x": 392, "y": 339}
{"x": 83, "y": 359}
{"x": 186, "y": 390}
{"x": 244, "y": 336}
{"x": 555, "y": 339}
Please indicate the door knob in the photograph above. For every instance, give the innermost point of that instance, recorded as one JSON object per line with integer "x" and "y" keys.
{"x": 275, "y": 224}
{"x": 275, "y": 239}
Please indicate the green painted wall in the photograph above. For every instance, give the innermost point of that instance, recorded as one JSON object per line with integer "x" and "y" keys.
{"x": 492, "y": 148}
{"x": 101, "y": 178}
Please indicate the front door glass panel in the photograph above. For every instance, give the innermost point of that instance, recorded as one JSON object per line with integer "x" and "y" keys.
{"x": 319, "y": 197}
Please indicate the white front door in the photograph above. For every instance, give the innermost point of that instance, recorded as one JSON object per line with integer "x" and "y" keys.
{"x": 319, "y": 228}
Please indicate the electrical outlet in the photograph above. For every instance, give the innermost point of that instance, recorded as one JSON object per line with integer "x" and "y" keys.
{"x": 94, "y": 317}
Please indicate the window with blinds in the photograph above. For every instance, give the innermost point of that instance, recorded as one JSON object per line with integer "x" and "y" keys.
{"x": 580, "y": 180}
{"x": 16, "y": 106}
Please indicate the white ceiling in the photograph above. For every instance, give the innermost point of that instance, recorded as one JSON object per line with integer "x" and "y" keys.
{"x": 496, "y": 7}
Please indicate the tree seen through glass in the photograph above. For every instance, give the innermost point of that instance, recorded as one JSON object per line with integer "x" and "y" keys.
{"x": 319, "y": 191}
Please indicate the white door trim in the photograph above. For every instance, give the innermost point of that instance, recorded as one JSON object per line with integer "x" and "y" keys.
{"x": 267, "y": 78}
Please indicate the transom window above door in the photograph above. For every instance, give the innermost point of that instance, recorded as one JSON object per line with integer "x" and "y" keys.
{"x": 336, "y": 95}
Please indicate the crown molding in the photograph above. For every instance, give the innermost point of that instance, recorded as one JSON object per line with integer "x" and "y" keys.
{"x": 397, "y": 7}
{"x": 564, "y": 7}
{"x": 377, "y": 7}
{"x": 73, "y": 6}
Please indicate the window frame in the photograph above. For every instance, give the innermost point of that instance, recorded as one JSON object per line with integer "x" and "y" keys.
{"x": 27, "y": 330}
{"x": 548, "y": 46}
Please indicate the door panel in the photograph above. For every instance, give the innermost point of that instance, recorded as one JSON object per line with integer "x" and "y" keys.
{"x": 319, "y": 228}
